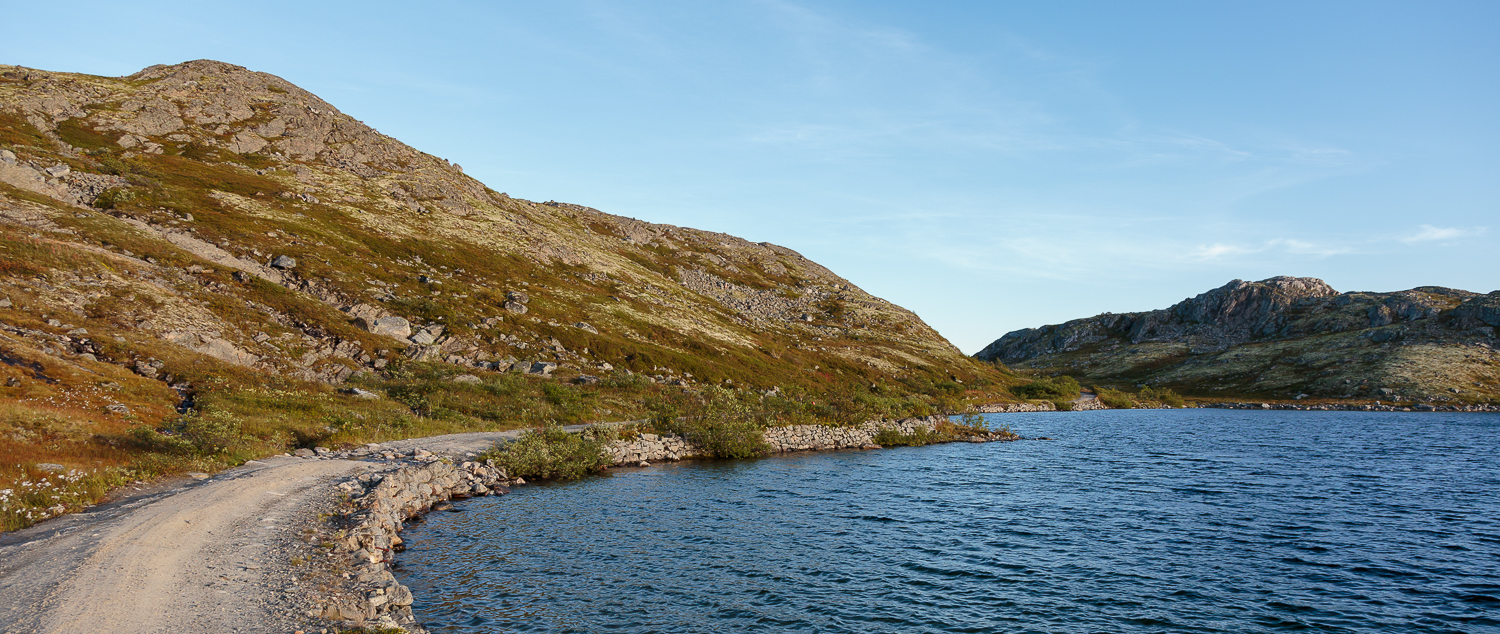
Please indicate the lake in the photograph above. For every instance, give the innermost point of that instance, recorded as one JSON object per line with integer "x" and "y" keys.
{"x": 1127, "y": 521}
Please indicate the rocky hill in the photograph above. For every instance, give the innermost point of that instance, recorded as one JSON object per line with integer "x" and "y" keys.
{"x": 201, "y": 229}
{"x": 1285, "y": 337}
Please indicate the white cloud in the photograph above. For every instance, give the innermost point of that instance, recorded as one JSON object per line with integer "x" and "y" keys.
{"x": 1216, "y": 250}
{"x": 1292, "y": 246}
{"x": 1302, "y": 247}
{"x": 1428, "y": 233}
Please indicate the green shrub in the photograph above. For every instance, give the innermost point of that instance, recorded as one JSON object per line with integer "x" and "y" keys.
{"x": 1115, "y": 398}
{"x": 891, "y": 437}
{"x": 194, "y": 434}
{"x": 726, "y": 423}
{"x": 1164, "y": 396}
{"x": 973, "y": 423}
{"x": 1058, "y": 388}
{"x": 549, "y": 453}
{"x": 725, "y": 438}
{"x": 625, "y": 381}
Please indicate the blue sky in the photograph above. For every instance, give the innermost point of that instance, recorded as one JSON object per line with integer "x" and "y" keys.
{"x": 989, "y": 165}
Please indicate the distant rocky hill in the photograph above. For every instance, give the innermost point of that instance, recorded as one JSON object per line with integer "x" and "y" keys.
{"x": 1282, "y": 338}
{"x": 203, "y": 215}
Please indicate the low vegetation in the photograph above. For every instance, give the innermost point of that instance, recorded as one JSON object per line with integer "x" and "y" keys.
{"x": 1165, "y": 396}
{"x": 1114, "y": 399}
{"x": 970, "y": 425}
{"x": 1057, "y": 388}
{"x": 549, "y": 453}
{"x": 1147, "y": 397}
{"x": 726, "y": 423}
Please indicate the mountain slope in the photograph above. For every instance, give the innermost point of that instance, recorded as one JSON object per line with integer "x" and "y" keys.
{"x": 213, "y": 246}
{"x": 1279, "y": 338}
{"x": 213, "y": 172}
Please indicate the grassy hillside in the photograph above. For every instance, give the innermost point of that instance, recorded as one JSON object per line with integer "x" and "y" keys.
{"x": 200, "y": 264}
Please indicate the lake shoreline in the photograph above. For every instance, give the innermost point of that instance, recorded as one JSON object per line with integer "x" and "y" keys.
{"x": 383, "y": 504}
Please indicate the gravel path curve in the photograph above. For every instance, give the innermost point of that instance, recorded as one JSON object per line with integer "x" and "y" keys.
{"x": 218, "y": 555}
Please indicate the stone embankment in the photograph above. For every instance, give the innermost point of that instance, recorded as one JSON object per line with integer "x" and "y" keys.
{"x": 380, "y": 503}
{"x": 658, "y": 447}
{"x": 862, "y": 436}
{"x": 1353, "y": 407}
{"x": 1081, "y": 404}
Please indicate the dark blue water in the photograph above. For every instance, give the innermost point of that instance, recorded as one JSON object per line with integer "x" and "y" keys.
{"x": 1129, "y": 521}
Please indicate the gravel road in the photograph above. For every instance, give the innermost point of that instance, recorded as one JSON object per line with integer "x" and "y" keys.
{"x": 225, "y": 554}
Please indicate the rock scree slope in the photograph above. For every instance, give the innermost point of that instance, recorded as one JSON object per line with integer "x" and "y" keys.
{"x": 1284, "y": 337}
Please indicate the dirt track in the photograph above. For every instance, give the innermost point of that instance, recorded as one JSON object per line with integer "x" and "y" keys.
{"x": 211, "y": 556}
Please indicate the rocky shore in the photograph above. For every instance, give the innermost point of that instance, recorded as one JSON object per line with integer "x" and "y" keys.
{"x": 401, "y": 484}
{"x": 380, "y": 504}
{"x": 365, "y": 535}
{"x": 657, "y": 447}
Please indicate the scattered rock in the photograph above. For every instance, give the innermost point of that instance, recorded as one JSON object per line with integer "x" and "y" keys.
{"x": 58, "y": 171}
{"x": 51, "y": 466}
{"x": 466, "y": 378}
{"x": 394, "y": 327}
{"x": 117, "y": 408}
{"x": 515, "y": 307}
{"x": 7, "y": 157}
{"x": 584, "y": 326}
{"x": 362, "y": 394}
{"x": 284, "y": 262}
{"x": 304, "y": 453}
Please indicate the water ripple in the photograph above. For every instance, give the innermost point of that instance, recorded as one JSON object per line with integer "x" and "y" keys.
{"x": 1130, "y": 521}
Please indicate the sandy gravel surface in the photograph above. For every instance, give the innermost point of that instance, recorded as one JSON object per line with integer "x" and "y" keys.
{"x": 226, "y": 554}
{"x": 211, "y": 557}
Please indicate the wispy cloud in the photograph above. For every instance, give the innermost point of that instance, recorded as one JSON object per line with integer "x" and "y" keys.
{"x": 1291, "y": 246}
{"x": 1428, "y": 233}
{"x": 1303, "y": 247}
{"x": 1217, "y": 250}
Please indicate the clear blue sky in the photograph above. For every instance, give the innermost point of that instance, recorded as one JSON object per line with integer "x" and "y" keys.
{"x": 989, "y": 165}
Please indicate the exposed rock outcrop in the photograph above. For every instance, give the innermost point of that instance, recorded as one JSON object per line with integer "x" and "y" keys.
{"x": 1280, "y": 338}
{"x": 1237, "y": 312}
